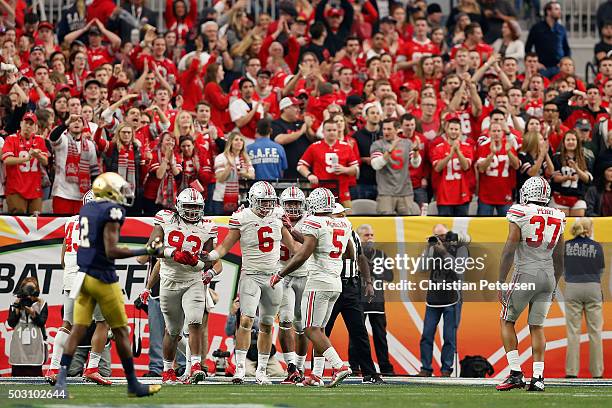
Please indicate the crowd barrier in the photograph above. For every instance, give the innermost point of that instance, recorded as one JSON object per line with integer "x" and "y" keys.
{"x": 31, "y": 246}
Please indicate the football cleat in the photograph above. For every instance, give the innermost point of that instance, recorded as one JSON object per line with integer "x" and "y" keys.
{"x": 51, "y": 376}
{"x": 262, "y": 378}
{"x": 293, "y": 375}
{"x": 311, "y": 381}
{"x": 339, "y": 376}
{"x": 143, "y": 390}
{"x": 169, "y": 377}
{"x": 536, "y": 384}
{"x": 375, "y": 379}
{"x": 93, "y": 375}
{"x": 514, "y": 380}
{"x": 197, "y": 374}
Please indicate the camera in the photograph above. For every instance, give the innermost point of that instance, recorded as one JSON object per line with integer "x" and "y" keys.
{"x": 25, "y": 295}
{"x": 221, "y": 353}
{"x": 449, "y": 237}
{"x": 139, "y": 305}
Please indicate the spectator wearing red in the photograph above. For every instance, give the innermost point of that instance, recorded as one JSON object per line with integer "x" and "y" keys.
{"x": 266, "y": 93}
{"x": 45, "y": 37}
{"x": 245, "y": 112}
{"x": 78, "y": 72}
{"x": 473, "y": 42}
{"x": 352, "y": 57}
{"x": 123, "y": 155}
{"x": 98, "y": 53}
{"x": 330, "y": 159}
{"x": 24, "y": 154}
{"x": 209, "y": 135}
{"x": 467, "y": 106}
{"x": 418, "y": 174}
{"x": 553, "y": 128}
{"x": 366, "y": 16}
{"x": 584, "y": 106}
{"x": 160, "y": 187}
{"x": 270, "y": 43}
{"x": 181, "y": 18}
{"x": 496, "y": 164}
{"x": 418, "y": 47}
{"x": 76, "y": 165}
{"x": 196, "y": 166}
{"x": 566, "y": 69}
{"x": 452, "y": 159}
{"x": 429, "y": 118}
{"x": 216, "y": 98}
{"x": 192, "y": 84}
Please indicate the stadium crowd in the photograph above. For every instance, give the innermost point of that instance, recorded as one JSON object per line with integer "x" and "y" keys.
{"x": 423, "y": 111}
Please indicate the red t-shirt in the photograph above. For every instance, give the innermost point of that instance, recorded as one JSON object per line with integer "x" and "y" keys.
{"x": 25, "y": 178}
{"x": 453, "y": 184}
{"x": 497, "y": 182}
{"x": 320, "y": 157}
{"x": 99, "y": 56}
{"x": 483, "y": 49}
{"x": 415, "y": 50}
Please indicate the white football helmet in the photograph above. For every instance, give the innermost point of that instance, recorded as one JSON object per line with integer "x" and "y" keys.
{"x": 536, "y": 189}
{"x": 88, "y": 196}
{"x": 321, "y": 200}
{"x": 293, "y": 201}
{"x": 190, "y": 205}
{"x": 262, "y": 198}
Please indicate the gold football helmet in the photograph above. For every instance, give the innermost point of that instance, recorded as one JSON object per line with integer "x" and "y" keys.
{"x": 111, "y": 186}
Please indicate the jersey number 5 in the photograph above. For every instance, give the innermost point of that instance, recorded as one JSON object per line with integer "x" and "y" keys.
{"x": 266, "y": 242}
{"x": 336, "y": 243}
{"x": 541, "y": 224}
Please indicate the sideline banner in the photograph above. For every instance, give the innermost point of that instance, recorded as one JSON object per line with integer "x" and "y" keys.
{"x": 32, "y": 247}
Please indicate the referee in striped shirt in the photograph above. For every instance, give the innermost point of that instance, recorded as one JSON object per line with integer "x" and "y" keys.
{"x": 349, "y": 304}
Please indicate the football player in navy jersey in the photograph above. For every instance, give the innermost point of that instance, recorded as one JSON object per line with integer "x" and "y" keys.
{"x": 100, "y": 224}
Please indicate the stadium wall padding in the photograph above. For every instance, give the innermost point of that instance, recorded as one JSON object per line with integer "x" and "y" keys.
{"x": 32, "y": 246}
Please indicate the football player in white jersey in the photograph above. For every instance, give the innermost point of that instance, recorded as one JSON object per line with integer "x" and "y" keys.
{"x": 535, "y": 244}
{"x": 182, "y": 292}
{"x": 327, "y": 239}
{"x": 291, "y": 335}
{"x": 72, "y": 239}
{"x": 260, "y": 232}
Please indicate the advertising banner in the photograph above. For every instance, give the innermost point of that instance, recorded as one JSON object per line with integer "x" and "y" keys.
{"x": 31, "y": 246}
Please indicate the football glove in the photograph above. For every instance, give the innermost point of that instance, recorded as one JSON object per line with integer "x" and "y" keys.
{"x": 185, "y": 258}
{"x": 287, "y": 222}
{"x": 274, "y": 279}
{"x": 208, "y": 276}
{"x": 144, "y": 296}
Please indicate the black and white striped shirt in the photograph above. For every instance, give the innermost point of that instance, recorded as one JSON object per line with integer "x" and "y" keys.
{"x": 351, "y": 268}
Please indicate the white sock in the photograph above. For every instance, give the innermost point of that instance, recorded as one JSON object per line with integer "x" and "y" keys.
{"x": 240, "y": 362}
{"x": 332, "y": 356}
{"x": 195, "y": 359}
{"x": 58, "y": 348}
{"x": 188, "y": 362}
{"x": 183, "y": 345}
{"x": 289, "y": 357}
{"x": 168, "y": 365}
{"x": 538, "y": 369}
{"x": 94, "y": 359}
{"x": 299, "y": 362}
{"x": 318, "y": 366}
{"x": 513, "y": 360}
{"x": 262, "y": 362}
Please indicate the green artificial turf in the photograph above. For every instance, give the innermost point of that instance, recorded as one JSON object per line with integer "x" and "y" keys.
{"x": 353, "y": 396}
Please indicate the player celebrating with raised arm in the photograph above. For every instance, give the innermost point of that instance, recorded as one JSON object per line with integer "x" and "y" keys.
{"x": 69, "y": 262}
{"x": 182, "y": 293}
{"x": 291, "y": 333}
{"x": 535, "y": 242}
{"x": 327, "y": 239}
{"x": 260, "y": 232}
{"x": 97, "y": 283}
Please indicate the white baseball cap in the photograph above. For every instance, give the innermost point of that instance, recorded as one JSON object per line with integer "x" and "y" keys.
{"x": 287, "y": 102}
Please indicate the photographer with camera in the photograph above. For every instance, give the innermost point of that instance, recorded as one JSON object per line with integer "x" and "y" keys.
{"x": 28, "y": 315}
{"x": 443, "y": 252}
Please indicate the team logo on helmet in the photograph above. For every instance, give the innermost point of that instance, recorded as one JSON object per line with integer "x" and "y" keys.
{"x": 88, "y": 196}
{"x": 190, "y": 205}
{"x": 262, "y": 198}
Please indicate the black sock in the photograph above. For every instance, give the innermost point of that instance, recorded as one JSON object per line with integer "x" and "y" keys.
{"x": 128, "y": 367}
